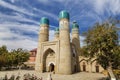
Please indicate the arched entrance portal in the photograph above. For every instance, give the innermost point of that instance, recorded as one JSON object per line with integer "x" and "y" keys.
{"x": 48, "y": 57}
{"x": 52, "y": 67}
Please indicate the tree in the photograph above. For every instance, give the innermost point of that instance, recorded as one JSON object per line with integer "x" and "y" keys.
{"x": 13, "y": 58}
{"x": 10, "y": 58}
{"x": 20, "y": 56}
{"x": 3, "y": 51}
{"x": 2, "y": 61}
{"x": 102, "y": 43}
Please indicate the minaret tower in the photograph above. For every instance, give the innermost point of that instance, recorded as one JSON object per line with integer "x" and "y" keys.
{"x": 43, "y": 37}
{"x": 65, "y": 48}
{"x": 56, "y": 37}
{"x": 75, "y": 34}
{"x": 76, "y": 41}
{"x": 44, "y": 30}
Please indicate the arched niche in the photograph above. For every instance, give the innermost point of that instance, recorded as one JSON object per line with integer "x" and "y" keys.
{"x": 95, "y": 66}
{"x": 83, "y": 65}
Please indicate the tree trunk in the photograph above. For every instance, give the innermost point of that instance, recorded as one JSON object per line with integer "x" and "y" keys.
{"x": 110, "y": 65}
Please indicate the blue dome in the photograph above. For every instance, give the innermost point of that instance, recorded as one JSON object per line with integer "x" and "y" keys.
{"x": 63, "y": 14}
{"x": 44, "y": 20}
{"x": 75, "y": 25}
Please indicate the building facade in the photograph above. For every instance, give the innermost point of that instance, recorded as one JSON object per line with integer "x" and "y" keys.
{"x": 62, "y": 54}
{"x": 31, "y": 61}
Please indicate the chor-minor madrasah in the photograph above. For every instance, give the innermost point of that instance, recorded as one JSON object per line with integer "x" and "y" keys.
{"x": 62, "y": 55}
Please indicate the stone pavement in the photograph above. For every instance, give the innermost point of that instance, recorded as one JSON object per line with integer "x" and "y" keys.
{"x": 76, "y": 76}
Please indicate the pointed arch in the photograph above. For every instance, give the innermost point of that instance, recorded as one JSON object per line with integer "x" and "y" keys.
{"x": 83, "y": 60}
{"x": 95, "y": 66}
{"x": 49, "y": 50}
{"x": 93, "y": 61}
{"x": 83, "y": 64}
{"x": 48, "y": 57}
{"x": 50, "y": 63}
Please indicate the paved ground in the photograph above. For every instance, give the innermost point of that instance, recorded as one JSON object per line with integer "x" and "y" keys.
{"x": 77, "y": 76}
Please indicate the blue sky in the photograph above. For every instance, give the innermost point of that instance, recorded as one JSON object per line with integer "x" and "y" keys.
{"x": 20, "y": 19}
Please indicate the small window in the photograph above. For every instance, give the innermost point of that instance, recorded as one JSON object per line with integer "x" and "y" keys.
{"x": 32, "y": 53}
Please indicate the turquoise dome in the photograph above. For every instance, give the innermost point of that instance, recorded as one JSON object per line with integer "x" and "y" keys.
{"x": 44, "y": 20}
{"x": 75, "y": 25}
{"x": 57, "y": 30}
{"x": 63, "y": 14}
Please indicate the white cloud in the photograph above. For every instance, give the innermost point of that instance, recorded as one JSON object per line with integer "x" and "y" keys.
{"x": 5, "y": 34}
{"x": 94, "y": 10}
{"x": 99, "y": 5}
{"x": 44, "y": 1}
{"x": 14, "y": 40}
{"x": 20, "y": 41}
{"x": 11, "y": 22}
{"x": 10, "y": 6}
{"x": 23, "y": 43}
{"x": 12, "y": 1}
{"x": 17, "y": 17}
{"x": 48, "y": 1}
{"x": 76, "y": 8}
{"x": 21, "y": 27}
{"x": 27, "y": 11}
{"x": 46, "y": 13}
{"x": 112, "y": 6}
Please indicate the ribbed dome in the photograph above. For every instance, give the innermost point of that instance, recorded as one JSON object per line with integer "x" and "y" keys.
{"x": 75, "y": 25}
{"x": 63, "y": 14}
{"x": 44, "y": 20}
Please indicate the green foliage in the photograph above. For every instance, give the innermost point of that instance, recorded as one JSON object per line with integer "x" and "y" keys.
{"x": 20, "y": 56}
{"x": 3, "y": 50}
{"x": 2, "y": 61}
{"x": 13, "y": 58}
{"x": 102, "y": 43}
{"x": 84, "y": 52}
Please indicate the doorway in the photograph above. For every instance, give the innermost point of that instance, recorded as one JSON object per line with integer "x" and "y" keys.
{"x": 84, "y": 66}
{"x": 97, "y": 68}
{"x": 51, "y": 67}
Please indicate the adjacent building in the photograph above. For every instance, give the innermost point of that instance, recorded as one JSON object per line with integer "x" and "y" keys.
{"x": 31, "y": 62}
